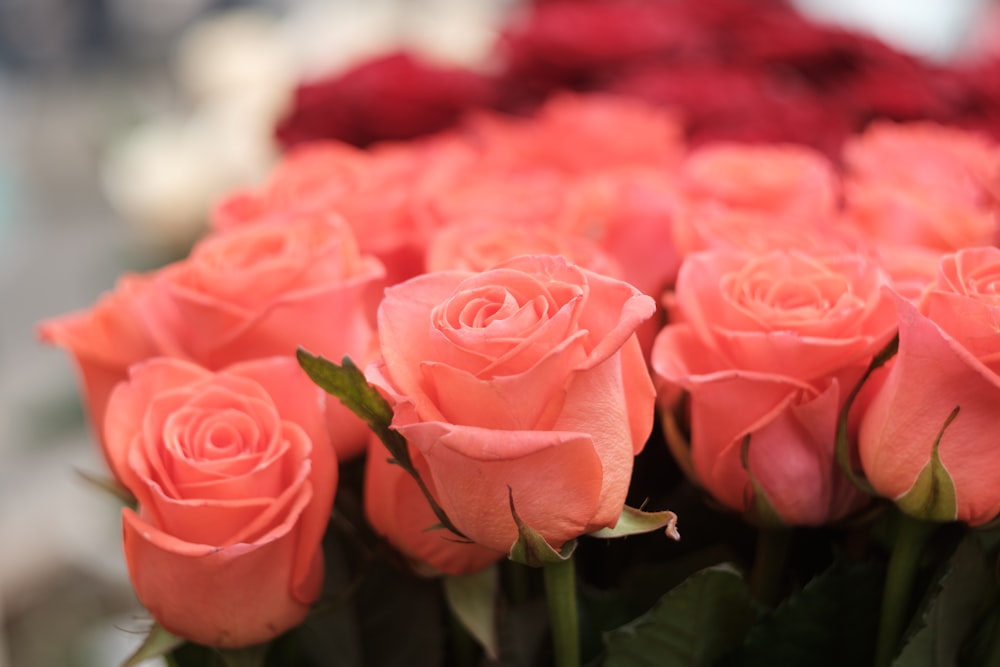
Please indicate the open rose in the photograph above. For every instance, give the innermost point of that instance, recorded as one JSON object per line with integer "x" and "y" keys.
{"x": 234, "y": 476}
{"x": 923, "y": 184}
{"x": 524, "y": 380}
{"x": 780, "y": 179}
{"x": 949, "y": 358}
{"x": 767, "y": 348}
{"x": 104, "y": 341}
{"x": 251, "y": 292}
{"x": 370, "y": 189}
{"x": 481, "y": 246}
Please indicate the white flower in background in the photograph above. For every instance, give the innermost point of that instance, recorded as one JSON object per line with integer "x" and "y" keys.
{"x": 238, "y": 69}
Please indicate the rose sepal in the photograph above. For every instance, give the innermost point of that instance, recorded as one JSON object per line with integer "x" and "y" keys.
{"x": 531, "y": 548}
{"x": 634, "y": 521}
{"x": 932, "y": 496}
{"x": 158, "y": 642}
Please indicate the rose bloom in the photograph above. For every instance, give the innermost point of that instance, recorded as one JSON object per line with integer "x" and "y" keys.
{"x": 949, "y": 358}
{"x": 397, "y": 510}
{"x": 480, "y": 246}
{"x": 496, "y": 380}
{"x": 558, "y": 43}
{"x": 256, "y": 291}
{"x": 780, "y": 179}
{"x": 713, "y": 226}
{"x": 370, "y": 189}
{"x": 395, "y": 96}
{"x": 104, "y": 341}
{"x": 510, "y": 195}
{"x": 768, "y": 346}
{"x": 625, "y": 210}
{"x": 923, "y": 184}
{"x": 569, "y": 133}
{"x": 234, "y": 477}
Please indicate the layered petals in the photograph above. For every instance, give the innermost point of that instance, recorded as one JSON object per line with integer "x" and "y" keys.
{"x": 234, "y": 475}
{"x": 523, "y": 381}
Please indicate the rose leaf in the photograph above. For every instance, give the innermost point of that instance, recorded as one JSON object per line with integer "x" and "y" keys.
{"x": 349, "y": 385}
{"x": 109, "y": 486}
{"x": 472, "y": 598}
{"x": 697, "y": 623}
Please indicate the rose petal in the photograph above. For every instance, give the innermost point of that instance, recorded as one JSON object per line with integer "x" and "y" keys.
{"x": 201, "y": 593}
{"x": 555, "y": 479}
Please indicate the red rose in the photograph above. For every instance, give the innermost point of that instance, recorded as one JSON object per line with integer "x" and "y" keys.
{"x": 393, "y": 97}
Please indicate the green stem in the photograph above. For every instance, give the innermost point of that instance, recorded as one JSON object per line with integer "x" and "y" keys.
{"x": 907, "y": 548}
{"x": 769, "y": 564}
{"x": 251, "y": 656}
{"x": 518, "y": 586}
{"x": 993, "y": 655}
{"x": 560, "y": 593}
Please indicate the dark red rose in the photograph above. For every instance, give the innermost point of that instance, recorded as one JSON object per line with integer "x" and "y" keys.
{"x": 392, "y": 97}
{"x": 569, "y": 43}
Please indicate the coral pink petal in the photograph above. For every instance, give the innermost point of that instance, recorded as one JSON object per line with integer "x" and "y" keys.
{"x": 201, "y": 592}
{"x": 556, "y": 480}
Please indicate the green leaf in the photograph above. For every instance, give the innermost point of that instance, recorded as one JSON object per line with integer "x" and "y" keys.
{"x": 635, "y": 522}
{"x": 110, "y": 486}
{"x": 829, "y": 623}
{"x": 473, "y": 600}
{"x": 158, "y": 642}
{"x": 349, "y": 385}
{"x": 962, "y": 597}
{"x": 531, "y": 548}
{"x": 695, "y": 624}
{"x": 932, "y": 496}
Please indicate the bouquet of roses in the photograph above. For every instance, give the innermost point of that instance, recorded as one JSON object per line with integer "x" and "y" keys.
{"x": 388, "y": 411}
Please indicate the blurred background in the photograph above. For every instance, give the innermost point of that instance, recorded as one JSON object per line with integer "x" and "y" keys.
{"x": 119, "y": 121}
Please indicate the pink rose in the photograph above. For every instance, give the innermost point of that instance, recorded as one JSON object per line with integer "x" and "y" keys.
{"x": 498, "y": 379}
{"x": 510, "y": 195}
{"x": 780, "y": 179}
{"x": 949, "y": 358}
{"x": 480, "y": 246}
{"x": 713, "y": 226}
{"x": 769, "y": 346}
{"x": 255, "y": 291}
{"x": 104, "y": 341}
{"x": 923, "y": 184}
{"x": 235, "y": 477}
{"x": 370, "y": 189}
{"x": 569, "y": 133}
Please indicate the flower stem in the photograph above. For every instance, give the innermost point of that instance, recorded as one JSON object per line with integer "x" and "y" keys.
{"x": 907, "y": 548}
{"x": 769, "y": 564}
{"x": 560, "y": 593}
{"x": 993, "y": 656}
